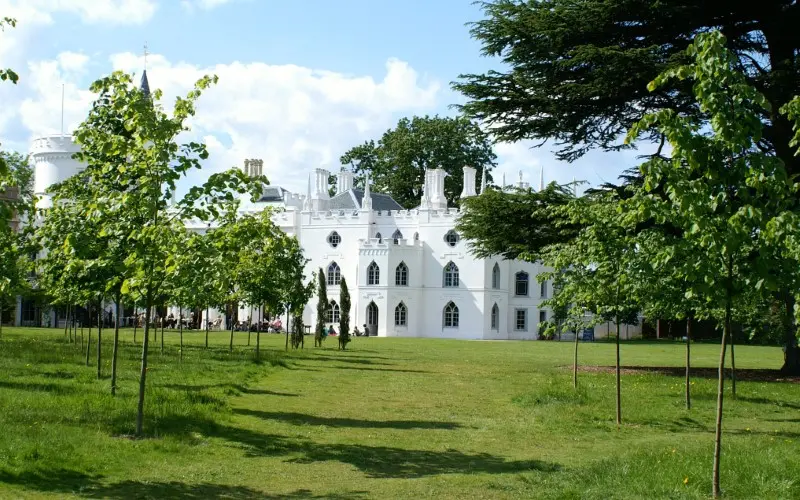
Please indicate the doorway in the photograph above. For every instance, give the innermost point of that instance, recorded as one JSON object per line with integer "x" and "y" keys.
{"x": 372, "y": 319}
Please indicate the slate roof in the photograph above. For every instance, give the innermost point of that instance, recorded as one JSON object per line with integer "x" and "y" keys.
{"x": 272, "y": 194}
{"x": 353, "y": 198}
{"x": 144, "y": 86}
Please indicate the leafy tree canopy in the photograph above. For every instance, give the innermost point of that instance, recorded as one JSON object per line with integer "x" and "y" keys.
{"x": 397, "y": 162}
{"x": 578, "y": 69}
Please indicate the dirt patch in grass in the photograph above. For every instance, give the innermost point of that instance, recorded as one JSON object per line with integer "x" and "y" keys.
{"x": 749, "y": 374}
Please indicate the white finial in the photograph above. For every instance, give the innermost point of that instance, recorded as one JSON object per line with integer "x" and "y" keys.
{"x": 307, "y": 201}
{"x": 541, "y": 179}
{"x": 483, "y": 180}
{"x": 145, "y": 55}
{"x": 366, "y": 203}
{"x": 520, "y": 177}
{"x": 504, "y": 181}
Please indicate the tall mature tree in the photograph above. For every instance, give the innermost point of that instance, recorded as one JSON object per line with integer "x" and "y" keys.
{"x": 722, "y": 188}
{"x": 131, "y": 151}
{"x": 344, "y": 318}
{"x": 7, "y": 74}
{"x": 397, "y": 162}
{"x": 577, "y": 70}
{"x": 322, "y": 309}
{"x": 517, "y": 223}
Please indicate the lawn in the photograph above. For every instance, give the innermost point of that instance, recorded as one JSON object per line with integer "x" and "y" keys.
{"x": 389, "y": 418}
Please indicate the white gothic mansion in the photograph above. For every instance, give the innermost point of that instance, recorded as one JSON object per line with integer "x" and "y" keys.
{"x": 409, "y": 272}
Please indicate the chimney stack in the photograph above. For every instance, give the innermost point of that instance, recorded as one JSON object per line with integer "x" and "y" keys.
{"x": 435, "y": 189}
{"x": 344, "y": 181}
{"x": 469, "y": 182}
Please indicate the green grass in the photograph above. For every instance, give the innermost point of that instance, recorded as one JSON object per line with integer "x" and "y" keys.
{"x": 389, "y": 418}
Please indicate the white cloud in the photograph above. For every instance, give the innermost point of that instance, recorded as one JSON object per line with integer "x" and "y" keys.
{"x": 190, "y": 5}
{"x": 294, "y": 118}
{"x": 89, "y": 11}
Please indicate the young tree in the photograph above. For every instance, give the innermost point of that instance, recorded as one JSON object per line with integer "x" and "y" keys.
{"x": 296, "y": 293}
{"x": 397, "y": 162}
{"x": 322, "y": 309}
{"x": 344, "y": 319}
{"x": 722, "y": 188}
{"x": 132, "y": 155}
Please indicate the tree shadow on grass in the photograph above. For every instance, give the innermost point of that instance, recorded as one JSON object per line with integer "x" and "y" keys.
{"x": 233, "y": 387}
{"x": 353, "y": 360}
{"x": 363, "y": 368}
{"x": 686, "y": 424}
{"x": 304, "y": 419}
{"x": 48, "y": 387}
{"x": 742, "y": 374}
{"x": 374, "y": 461}
{"x": 92, "y": 486}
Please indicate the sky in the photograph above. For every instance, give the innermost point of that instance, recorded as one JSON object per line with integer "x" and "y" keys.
{"x": 300, "y": 82}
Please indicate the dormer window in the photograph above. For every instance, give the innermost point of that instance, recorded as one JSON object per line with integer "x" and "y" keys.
{"x": 334, "y": 239}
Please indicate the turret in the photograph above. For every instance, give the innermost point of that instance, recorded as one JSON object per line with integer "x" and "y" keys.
{"x": 51, "y": 157}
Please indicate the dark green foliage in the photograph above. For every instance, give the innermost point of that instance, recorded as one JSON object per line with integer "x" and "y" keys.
{"x": 344, "y": 319}
{"x": 397, "y": 163}
{"x": 577, "y": 70}
{"x": 516, "y": 224}
{"x": 322, "y": 309}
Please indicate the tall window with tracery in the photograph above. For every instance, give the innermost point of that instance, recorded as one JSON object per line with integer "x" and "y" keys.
{"x": 495, "y": 317}
{"x": 334, "y": 274}
{"x": 334, "y": 312}
{"x": 450, "y": 315}
{"x": 401, "y": 275}
{"x": 400, "y": 315}
{"x": 496, "y": 276}
{"x": 450, "y": 278}
{"x": 373, "y": 274}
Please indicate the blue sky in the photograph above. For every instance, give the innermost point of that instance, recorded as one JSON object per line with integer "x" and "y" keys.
{"x": 300, "y": 81}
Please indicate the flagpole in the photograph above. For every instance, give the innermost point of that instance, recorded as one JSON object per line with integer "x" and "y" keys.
{"x": 62, "y": 109}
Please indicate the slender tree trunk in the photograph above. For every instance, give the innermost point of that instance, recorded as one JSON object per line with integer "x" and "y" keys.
{"x": 114, "y": 352}
{"x": 180, "y": 327}
{"x": 99, "y": 337}
{"x": 89, "y": 336}
{"x": 162, "y": 333}
{"x": 135, "y": 323}
{"x": 249, "y": 325}
{"x": 258, "y": 332}
{"x": 287, "y": 328}
{"x": 721, "y": 390}
{"x": 143, "y": 371}
{"x": 575, "y": 362}
{"x": 82, "y": 335}
{"x": 619, "y": 390}
{"x": 66, "y": 322}
{"x": 206, "y": 327}
{"x": 1, "y": 317}
{"x": 731, "y": 337}
{"x": 688, "y": 361}
{"x": 658, "y": 328}
{"x": 230, "y": 347}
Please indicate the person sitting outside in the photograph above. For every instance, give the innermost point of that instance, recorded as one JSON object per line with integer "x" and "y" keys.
{"x": 331, "y": 331}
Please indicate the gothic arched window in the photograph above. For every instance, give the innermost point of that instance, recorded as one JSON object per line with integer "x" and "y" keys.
{"x": 334, "y": 274}
{"x": 373, "y": 274}
{"x": 380, "y": 238}
{"x": 400, "y": 315}
{"x": 401, "y": 275}
{"x": 495, "y": 317}
{"x": 496, "y": 276}
{"x": 543, "y": 290}
{"x": 334, "y": 312}
{"x": 450, "y": 278}
{"x": 397, "y": 236}
{"x": 450, "y": 315}
{"x": 521, "y": 284}
{"x": 416, "y": 236}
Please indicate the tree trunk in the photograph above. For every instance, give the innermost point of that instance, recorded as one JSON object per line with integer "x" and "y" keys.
{"x": 287, "y": 328}
{"x": 135, "y": 323}
{"x": 82, "y": 335}
{"x": 66, "y": 322}
{"x": 230, "y": 347}
{"x": 206, "y": 327}
{"x": 619, "y": 392}
{"x": 89, "y": 335}
{"x": 180, "y": 327}
{"x": 658, "y": 328}
{"x": 721, "y": 392}
{"x": 143, "y": 371}
{"x": 731, "y": 337}
{"x": 688, "y": 360}
{"x": 1, "y": 318}
{"x": 99, "y": 337}
{"x": 114, "y": 352}
{"x": 575, "y": 363}
{"x": 249, "y": 325}
{"x": 791, "y": 351}
{"x": 162, "y": 333}
{"x": 258, "y": 333}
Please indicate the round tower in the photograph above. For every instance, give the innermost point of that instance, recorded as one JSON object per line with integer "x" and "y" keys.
{"x": 52, "y": 163}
